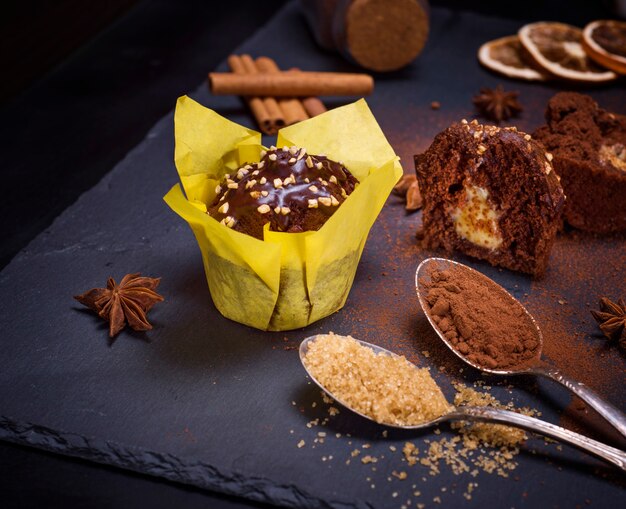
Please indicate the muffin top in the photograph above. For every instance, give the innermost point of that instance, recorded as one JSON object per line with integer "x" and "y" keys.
{"x": 291, "y": 190}
{"x": 502, "y": 159}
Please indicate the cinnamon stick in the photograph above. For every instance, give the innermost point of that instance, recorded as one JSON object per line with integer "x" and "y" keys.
{"x": 256, "y": 105}
{"x": 291, "y": 107}
{"x": 312, "y": 105}
{"x": 287, "y": 84}
{"x": 270, "y": 103}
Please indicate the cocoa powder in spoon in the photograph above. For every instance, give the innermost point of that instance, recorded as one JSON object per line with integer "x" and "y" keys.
{"x": 480, "y": 320}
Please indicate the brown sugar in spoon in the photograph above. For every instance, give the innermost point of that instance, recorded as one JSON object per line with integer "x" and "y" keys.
{"x": 350, "y": 368}
{"x": 486, "y": 327}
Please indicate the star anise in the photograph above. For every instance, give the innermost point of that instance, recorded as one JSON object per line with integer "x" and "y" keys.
{"x": 128, "y": 302}
{"x": 408, "y": 188}
{"x": 496, "y": 104}
{"x": 612, "y": 320}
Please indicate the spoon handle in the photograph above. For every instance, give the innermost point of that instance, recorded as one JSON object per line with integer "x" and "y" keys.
{"x": 490, "y": 414}
{"x": 605, "y": 409}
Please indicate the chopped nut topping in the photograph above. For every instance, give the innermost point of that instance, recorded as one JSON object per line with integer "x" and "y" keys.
{"x": 481, "y": 149}
{"x": 229, "y": 180}
{"x": 276, "y": 210}
{"x": 334, "y": 201}
{"x": 549, "y": 156}
{"x": 313, "y": 189}
{"x": 250, "y": 183}
{"x": 234, "y": 185}
{"x": 262, "y": 181}
{"x": 255, "y": 194}
{"x": 309, "y": 162}
{"x": 293, "y": 150}
{"x": 285, "y": 210}
{"x": 264, "y": 193}
{"x": 263, "y": 152}
{"x": 255, "y": 173}
{"x": 285, "y": 148}
{"x": 273, "y": 157}
{"x": 287, "y": 181}
{"x": 261, "y": 164}
{"x": 464, "y": 121}
{"x": 319, "y": 165}
{"x": 307, "y": 180}
{"x": 263, "y": 209}
{"x": 324, "y": 200}
{"x": 333, "y": 179}
{"x": 229, "y": 221}
{"x": 227, "y": 176}
{"x": 527, "y": 137}
{"x": 312, "y": 203}
{"x": 278, "y": 183}
{"x": 218, "y": 188}
{"x": 224, "y": 208}
{"x": 292, "y": 160}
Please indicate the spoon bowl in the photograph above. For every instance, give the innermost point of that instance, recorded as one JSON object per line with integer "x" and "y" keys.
{"x": 536, "y": 366}
{"x": 482, "y": 414}
{"x": 423, "y": 277}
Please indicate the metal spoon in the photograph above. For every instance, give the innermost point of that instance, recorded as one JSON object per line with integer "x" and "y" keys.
{"x": 614, "y": 416}
{"x": 488, "y": 414}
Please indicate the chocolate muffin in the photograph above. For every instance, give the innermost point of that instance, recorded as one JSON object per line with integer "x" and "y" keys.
{"x": 589, "y": 148}
{"x": 291, "y": 190}
{"x": 491, "y": 193}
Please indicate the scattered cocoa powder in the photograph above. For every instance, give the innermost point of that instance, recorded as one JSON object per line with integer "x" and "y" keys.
{"x": 480, "y": 320}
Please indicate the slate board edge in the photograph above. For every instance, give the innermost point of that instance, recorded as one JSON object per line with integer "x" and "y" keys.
{"x": 163, "y": 465}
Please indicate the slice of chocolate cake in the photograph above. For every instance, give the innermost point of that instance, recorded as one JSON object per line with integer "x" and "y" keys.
{"x": 491, "y": 193}
{"x": 589, "y": 147}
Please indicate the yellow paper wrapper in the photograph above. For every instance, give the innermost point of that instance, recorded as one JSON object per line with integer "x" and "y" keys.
{"x": 287, "y": 280}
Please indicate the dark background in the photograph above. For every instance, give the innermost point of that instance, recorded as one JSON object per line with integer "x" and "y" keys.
{"x": 82, "y": 84}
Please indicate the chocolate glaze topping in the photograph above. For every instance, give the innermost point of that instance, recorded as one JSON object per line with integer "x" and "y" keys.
{"x": 290, "y": 189}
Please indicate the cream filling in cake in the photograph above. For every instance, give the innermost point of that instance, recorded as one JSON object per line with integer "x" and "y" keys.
{"x": 615, "y": 155}
{"x": 476, "y": 219}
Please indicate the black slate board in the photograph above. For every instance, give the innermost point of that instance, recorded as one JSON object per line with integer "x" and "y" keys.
{"x": 205, "y": 401}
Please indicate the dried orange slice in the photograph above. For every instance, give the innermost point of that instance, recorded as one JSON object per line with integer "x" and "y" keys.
{"x": 605, "y": 42}
{"x": 557, "y": 48}
{"x": 507, "y": 56}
